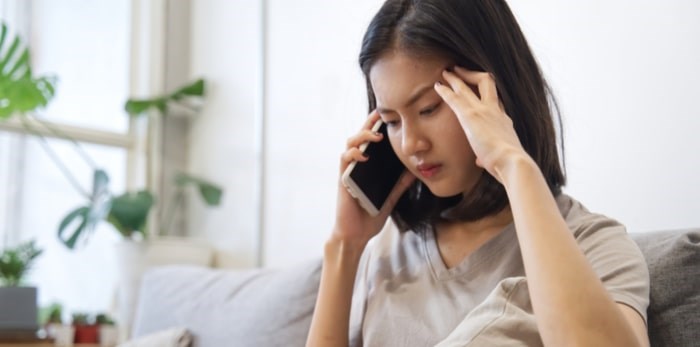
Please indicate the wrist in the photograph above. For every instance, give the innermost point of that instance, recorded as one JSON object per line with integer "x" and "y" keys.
{"x": 514, "y": 165}
{"x": 346, "y": 248}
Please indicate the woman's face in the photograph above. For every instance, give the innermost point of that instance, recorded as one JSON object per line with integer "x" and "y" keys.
{"x": 423, "y": 130}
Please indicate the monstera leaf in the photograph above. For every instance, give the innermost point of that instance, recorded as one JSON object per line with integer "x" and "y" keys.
{"x": 87, "y": 217}
{"x": 129, "y": 213}
{"x": 135, "y": 107}
{"x": 20, "y": 92}
{"x": 210, "y": 192}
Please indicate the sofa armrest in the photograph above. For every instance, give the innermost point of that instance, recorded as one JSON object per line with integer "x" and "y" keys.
{"x": 260, "y": 307}
{"x": 673, "y": 258}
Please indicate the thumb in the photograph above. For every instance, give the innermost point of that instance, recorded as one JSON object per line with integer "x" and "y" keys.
{"x": 404, "y": 183}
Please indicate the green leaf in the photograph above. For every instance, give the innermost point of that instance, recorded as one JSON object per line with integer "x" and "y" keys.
{"x": 100, "y": 199}
{"x": 129, "y": 212}
{"x": 136, "y": 107}
{"x": 80, "y": 214}
{"x": 210, "y": 192}
{"x": 19, "y": 91}
{"x": 52, "y": 313}
{"x": 88, "y": 216}
{"x": 16, "y": 262}
{"x": 6, "y": 59}
{"x": 195, "y": 88}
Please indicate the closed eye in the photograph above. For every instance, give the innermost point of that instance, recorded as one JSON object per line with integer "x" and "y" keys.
{"x": 391, "y": 123}
{"x": 429, "y": 110}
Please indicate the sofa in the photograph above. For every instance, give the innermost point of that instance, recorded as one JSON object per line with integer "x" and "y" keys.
{"x": 273, "y": 307}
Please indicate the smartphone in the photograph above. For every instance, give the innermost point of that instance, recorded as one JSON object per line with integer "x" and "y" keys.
{"x": 371, "y": 181}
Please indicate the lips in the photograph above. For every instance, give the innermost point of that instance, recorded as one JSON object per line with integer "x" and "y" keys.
{"x": 428, "y": 170}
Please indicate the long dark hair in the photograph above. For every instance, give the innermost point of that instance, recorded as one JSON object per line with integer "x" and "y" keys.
{"x": 480, "y": 35}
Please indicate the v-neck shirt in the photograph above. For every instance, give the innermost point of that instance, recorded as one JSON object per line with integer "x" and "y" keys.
{"x": 405, "y": 295}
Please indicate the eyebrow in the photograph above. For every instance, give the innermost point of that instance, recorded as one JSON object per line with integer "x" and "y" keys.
{"x": 411, "y": 101}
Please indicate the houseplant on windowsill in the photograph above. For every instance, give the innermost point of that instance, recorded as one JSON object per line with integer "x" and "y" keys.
{"x": 86, "y": 329}
{"x": 51, "y": 318}
{"x": 18, "y": 304}
{"x": 21, "y": 94}
{"x": 109, "y": 336}
{"x": 129, "y": 212}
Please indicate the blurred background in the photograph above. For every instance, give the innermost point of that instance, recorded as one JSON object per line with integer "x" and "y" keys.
{"x": 283, "y": 92}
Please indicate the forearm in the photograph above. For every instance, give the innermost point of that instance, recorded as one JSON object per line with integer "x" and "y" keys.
{"x": 329, "y": 326}
{"x": 571, "y": 305}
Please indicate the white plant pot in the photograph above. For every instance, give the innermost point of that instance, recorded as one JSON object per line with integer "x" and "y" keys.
{"x": 131, "y": 263}
{"x": 109, "y": 336}
{"x": 63, "y": 335}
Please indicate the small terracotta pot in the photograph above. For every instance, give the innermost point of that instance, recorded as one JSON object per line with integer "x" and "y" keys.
{"x": 87, "y": 333}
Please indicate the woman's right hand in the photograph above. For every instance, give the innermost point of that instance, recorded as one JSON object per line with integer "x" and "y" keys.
{"x": 353, "y": 224}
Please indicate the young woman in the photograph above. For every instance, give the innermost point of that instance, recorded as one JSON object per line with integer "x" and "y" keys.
{"x": 482, "y": 248}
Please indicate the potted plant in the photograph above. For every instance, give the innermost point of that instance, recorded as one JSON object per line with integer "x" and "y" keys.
{"x": 86, "y": 330}
{"x": 21, "y": 94}
{"x": 18, "y": 304}
{"x": 109, "y": 336}
{"x": 51, "y": 317}
{"x": 129, "y": 212}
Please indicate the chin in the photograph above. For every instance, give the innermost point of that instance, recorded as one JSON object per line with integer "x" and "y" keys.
{"x": 443, "y": 190}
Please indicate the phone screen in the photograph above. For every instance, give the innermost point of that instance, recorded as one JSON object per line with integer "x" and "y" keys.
{"x": 377, "y": 176}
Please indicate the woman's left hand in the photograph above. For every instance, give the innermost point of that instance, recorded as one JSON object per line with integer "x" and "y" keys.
{"x": 488, "y": 128}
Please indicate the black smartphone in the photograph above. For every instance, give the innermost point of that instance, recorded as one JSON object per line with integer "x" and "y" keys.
{"x": 372, "y": 181}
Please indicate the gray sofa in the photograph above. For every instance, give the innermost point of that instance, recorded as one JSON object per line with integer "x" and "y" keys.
{"x": 274, "y": 307}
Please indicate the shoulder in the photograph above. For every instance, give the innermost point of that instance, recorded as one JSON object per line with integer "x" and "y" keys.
{"x": 393, "y": 249}
{"x": 585, "y": 224}
{"x": 614, "y": 256}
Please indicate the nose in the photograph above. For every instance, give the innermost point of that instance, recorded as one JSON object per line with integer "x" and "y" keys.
{"x": 413, "y": 139}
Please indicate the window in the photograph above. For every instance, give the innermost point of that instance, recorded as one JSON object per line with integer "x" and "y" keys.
{"x": 86, "y": 44}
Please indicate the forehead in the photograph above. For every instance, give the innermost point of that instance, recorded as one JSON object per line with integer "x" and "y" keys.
{"x": 397, "y": 76}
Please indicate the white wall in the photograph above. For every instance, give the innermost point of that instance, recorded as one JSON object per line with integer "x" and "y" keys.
{"x": 625, "y": 75}
{"x": 222, "y": 142}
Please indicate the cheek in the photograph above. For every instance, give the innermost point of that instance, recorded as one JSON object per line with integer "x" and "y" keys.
{"x": 395, "y": 140}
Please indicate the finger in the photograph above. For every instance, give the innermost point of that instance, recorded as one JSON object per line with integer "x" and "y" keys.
{"x": 483, "y": 80}
{"x": 372, "y": 118}
{"x": 352, "y": 154}
{"x": 362, "y": 137}
{"x": 450, "y": 97}
{"x": 404, "y": 183}
{"x": 460, "y": 87}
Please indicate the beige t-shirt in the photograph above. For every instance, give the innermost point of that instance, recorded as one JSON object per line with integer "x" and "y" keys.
{"x": 406, "y": 296}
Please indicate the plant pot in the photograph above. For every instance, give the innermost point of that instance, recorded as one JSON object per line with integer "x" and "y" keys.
{"x": 63, "y": 335}
{"x": 86, "y": 333}
{"x": 131, "y": 263}
{"x": 18, "y": 309}
{"x": 109, "y": 335}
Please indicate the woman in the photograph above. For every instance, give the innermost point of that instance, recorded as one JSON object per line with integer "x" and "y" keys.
{"x": 482, "y": 248}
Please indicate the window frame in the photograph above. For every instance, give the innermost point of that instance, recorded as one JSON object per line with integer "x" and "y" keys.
{"x": 142, "y": 141}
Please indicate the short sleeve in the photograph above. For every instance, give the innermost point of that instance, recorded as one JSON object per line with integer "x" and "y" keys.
{"x": 616, "y": 259}
{"x": 359, "y": 298}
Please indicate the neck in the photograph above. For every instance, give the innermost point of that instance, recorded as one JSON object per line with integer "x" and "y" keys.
{"x": 495, "y": 222}
{"x": 457, "y": 240}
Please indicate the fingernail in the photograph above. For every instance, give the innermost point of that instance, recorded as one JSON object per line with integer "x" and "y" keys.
{"x": 376, "y": 133}
{"x": 437, "y": 84}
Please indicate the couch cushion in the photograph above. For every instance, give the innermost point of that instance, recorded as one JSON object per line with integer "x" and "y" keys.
{"x": 673, "y": 258}
{"x": 230, "y": 308}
